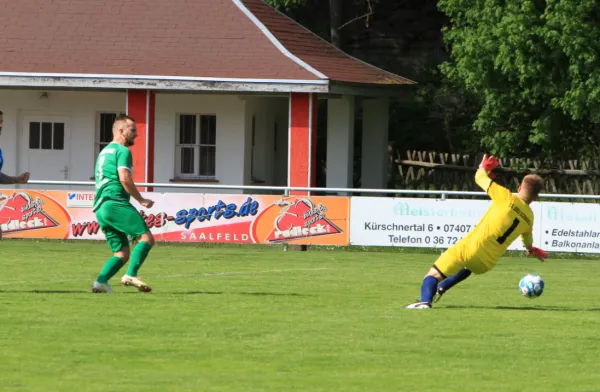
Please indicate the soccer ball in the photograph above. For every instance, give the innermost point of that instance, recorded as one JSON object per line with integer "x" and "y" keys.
{"x": 531, "y": 286}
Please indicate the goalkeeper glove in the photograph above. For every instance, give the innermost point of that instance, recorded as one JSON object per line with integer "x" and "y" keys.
{"x": 488, "y": 163}
{"x": 537, "y": 252}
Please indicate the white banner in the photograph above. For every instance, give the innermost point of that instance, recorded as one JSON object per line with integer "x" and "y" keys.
{"x": 570, "y": 227}
{"x": 426, "y": 223}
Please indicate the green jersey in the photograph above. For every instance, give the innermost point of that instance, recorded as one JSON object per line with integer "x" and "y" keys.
{"x": 108, "y": 185}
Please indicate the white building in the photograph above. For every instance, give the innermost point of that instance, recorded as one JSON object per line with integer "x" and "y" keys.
{"x": 223, "y": 93}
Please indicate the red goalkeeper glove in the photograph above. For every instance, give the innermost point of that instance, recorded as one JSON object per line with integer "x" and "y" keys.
{"x": 537, "y": 252}
{"x": 488, "y": 163}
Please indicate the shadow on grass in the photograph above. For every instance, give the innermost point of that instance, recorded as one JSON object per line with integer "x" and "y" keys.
{"x": 534, "y": 308}
{"x": 153, "y": 293}
{"x": 47, "y": 291}
{"x": 256, "y": 294}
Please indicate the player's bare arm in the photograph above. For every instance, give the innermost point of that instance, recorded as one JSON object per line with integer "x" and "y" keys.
{"x": 4, "y": 178}
{"x": 22, "y": 179}
{"x": 129, "y": 185}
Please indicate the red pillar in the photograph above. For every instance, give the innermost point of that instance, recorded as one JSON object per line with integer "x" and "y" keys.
{"x": 302, "y": 141}
{"x": 141, "y": 106}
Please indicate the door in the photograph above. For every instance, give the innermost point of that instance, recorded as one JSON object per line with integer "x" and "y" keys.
{"x": 46, "y": 150}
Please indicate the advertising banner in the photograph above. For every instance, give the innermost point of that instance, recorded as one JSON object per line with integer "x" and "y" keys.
{"x": 571, "y": 227}
{"x": 180, "y": 217}
{"x": 403, "y": 222}
{"x": 425, "y": 223}
{"x": 256, "y": 219}
{"x": 31, "y": 214}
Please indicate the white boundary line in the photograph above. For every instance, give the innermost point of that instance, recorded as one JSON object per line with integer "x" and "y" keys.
{"x": 29, "y": 282}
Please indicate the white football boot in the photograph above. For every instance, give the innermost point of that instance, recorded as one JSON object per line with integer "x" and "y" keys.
{"x": 135, "y": 281}
{"x": 98, "y": 287}
{"x": 418, "y": 305}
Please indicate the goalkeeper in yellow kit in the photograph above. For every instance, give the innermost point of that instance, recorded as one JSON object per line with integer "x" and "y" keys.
{"x": 507, "y": 218}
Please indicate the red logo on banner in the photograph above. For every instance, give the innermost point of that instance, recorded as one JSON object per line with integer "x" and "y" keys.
{"x": 21, "y": 212}
{"x": 300, "y": 218}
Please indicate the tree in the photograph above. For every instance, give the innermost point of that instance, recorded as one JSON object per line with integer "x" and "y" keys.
{"x": 287, "y": 5}
{"x": 335, "y": 21}
{"x": 312, "y": 14}
{"x": 534, "y": 66}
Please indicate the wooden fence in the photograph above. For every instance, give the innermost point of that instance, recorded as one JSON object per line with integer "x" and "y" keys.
{"x": 432, "y": 171}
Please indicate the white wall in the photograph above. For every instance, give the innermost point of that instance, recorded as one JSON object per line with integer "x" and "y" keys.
{"x": 375, "y": 143}
{"x": 340, "y": 142}
{"x": 230, "y": 148}
{"x": 80, "y": 108}
{"x": 281, "y": 154}
{"x": 233, "y": 139}
{"x": 270, "y": 149}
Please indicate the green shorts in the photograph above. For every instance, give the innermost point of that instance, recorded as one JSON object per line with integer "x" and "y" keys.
{"x": 119, "y": 221}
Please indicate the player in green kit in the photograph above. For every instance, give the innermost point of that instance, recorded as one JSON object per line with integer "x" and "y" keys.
{"x": 118, "y": 219}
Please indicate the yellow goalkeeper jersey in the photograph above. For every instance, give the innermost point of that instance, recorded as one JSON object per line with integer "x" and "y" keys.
{"x": 506, "y": 219}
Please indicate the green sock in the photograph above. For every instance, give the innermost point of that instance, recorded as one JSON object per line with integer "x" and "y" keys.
{"x": 139, "y": 254}
{"x": 111, "y": 267}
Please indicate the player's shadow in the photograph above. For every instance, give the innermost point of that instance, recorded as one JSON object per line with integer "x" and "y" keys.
{"x": 190, "y": 292}
{"x": 242, "y": 293}
{"x": 278, "y": 294}
{"x": 153, "y": 293}
{"x": 46, "y": 291}
{"x": 531, "y": 308}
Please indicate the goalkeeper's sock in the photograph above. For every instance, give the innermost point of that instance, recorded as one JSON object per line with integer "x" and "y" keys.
{"x": 428, "y": 289}
{"x": 111, "y": 267}
{"x": 453, "y": 280}
{"x": 139, "y": 254}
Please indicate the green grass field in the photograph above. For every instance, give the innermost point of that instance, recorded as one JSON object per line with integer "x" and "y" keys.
{"x": 256, "y": 319}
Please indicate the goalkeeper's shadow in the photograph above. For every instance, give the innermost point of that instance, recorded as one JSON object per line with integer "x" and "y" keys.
{"x": 530, "y": 308}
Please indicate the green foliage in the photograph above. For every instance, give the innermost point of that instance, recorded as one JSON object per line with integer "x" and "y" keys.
{"x": 284, "y": 5}
{"x": 438, "y": 117}
{"x": 312, "y": 14}
{"x": 534, "y": 66}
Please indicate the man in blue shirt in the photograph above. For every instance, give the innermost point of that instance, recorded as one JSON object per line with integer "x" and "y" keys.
{"x": 5, "y": 179}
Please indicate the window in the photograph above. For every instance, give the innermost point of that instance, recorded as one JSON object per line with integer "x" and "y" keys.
{"x": 196, "y": 146}
{"x": 104, "y": 134}
{"x": 46, "y": 136}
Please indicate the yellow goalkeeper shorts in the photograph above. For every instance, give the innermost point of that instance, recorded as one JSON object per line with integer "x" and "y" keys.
{"x": 457, "y": 257}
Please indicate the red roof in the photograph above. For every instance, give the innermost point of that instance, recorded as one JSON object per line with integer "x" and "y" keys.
{"x": 179, "y": 38}
{"x": 318, "y": 53}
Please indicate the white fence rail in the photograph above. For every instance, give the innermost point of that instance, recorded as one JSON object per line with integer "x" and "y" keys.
{"x": 286, "y": 189}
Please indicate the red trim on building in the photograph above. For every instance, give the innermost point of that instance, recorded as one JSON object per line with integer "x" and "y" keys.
{"x": 141, "y": 106}
{"x": 151, "y": 127}
{"x": 302, "y": 170}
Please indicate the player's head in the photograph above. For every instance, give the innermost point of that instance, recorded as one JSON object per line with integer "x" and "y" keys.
{"x": 531, "y": 186}
{"x": 124, "y": 130}
{"x": 1, "y": 121}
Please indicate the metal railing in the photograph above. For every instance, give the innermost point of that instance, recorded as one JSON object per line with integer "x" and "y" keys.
{"x": 286, "y": 189}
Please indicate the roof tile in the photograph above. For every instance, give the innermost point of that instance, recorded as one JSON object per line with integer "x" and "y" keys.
{"x": 199, "y": 38}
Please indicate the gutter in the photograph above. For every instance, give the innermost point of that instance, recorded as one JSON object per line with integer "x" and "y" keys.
{"x": 155, "y": 82}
